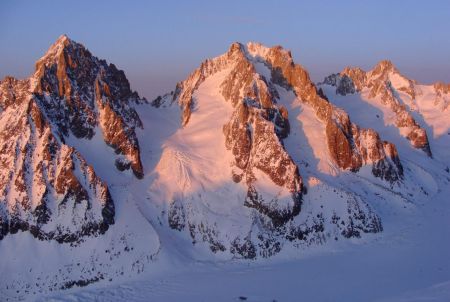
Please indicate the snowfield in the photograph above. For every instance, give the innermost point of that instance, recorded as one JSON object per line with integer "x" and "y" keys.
{"x": 394, "y": 267}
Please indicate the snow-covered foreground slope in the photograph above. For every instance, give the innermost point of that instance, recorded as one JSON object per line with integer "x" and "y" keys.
{"x": 31, "y": 266}
{"x": 409, "y": 262}
{"x": 245, "y": 181}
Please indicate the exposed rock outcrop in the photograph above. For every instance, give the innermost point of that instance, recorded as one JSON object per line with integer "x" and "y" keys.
{"x": 342, "y": 135}
{"x": 442, "y": 95}
{"x": 79, "y": 92}
{"x": 46, "y": 187}
{"x": 378, "y": 83}
{"x": 253, "y": 139}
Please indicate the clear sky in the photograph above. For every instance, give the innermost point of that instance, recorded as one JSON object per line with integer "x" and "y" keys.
{"x": 158, "y": 43}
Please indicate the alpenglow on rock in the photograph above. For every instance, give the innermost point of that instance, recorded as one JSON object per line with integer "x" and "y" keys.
{"x": 257, "y": 84}
{"x": 81, "y": 92}
{"x": 384, "y": 82}
{"x": 47, "y": 187}
{"x": 343, "y": 137}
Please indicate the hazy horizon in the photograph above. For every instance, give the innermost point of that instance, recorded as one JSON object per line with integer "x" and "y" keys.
{"x": 159, "y": 44}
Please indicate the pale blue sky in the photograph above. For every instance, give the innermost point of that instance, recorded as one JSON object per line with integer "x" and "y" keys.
{"x": 158, "y": 43}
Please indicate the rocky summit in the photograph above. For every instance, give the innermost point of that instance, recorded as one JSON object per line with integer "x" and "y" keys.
{"x": 246, "y": 159}
{"x": 47, "y": 187}
{"x": 385, "y": 83}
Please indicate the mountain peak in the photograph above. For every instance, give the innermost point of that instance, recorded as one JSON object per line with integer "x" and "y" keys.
{"x": 385, "y": 63}
{"x": 350, "y": 69}
{"x": 384, "y": 66}
{"x": 63, "y": 39}
{"x": 60, "y": 43}
{"x": 257, "y": 49}
{"x": 57, "y": 48}
{"x": 63, "y": 53}
{"x": 235, "y": 46}
{"x": 84, "y": 92}
{"x": 385, "y": 82}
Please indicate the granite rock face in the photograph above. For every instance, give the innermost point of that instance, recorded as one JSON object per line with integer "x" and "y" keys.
{"x": 377, "y": 83}
{"x": 80, "y": 92}
{"x": 46, "y": 186}
{"x": 261, "y": 148}
{"x": 343, "y": 137}
{"x": 442, "y": 99}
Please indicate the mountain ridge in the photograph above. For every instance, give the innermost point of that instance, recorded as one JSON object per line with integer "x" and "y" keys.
{"x": 402, "y": 96}
{"x": 246, "y": 159}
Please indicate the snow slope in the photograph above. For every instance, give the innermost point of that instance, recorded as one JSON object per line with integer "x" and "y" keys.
{"x": 35, "y": 266}
{"x": 396, "y": 267}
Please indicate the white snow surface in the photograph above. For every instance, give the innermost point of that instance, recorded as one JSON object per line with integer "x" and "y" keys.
{"x": 195, "y": 157}
{"x": 396, "y": 267}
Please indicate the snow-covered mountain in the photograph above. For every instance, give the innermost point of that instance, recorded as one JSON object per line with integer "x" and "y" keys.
{"x": 54, "y": 200}
{"x": 245, "y": 159}
{"x": 255, "y": 101}
{"x": 416, "y": 110}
